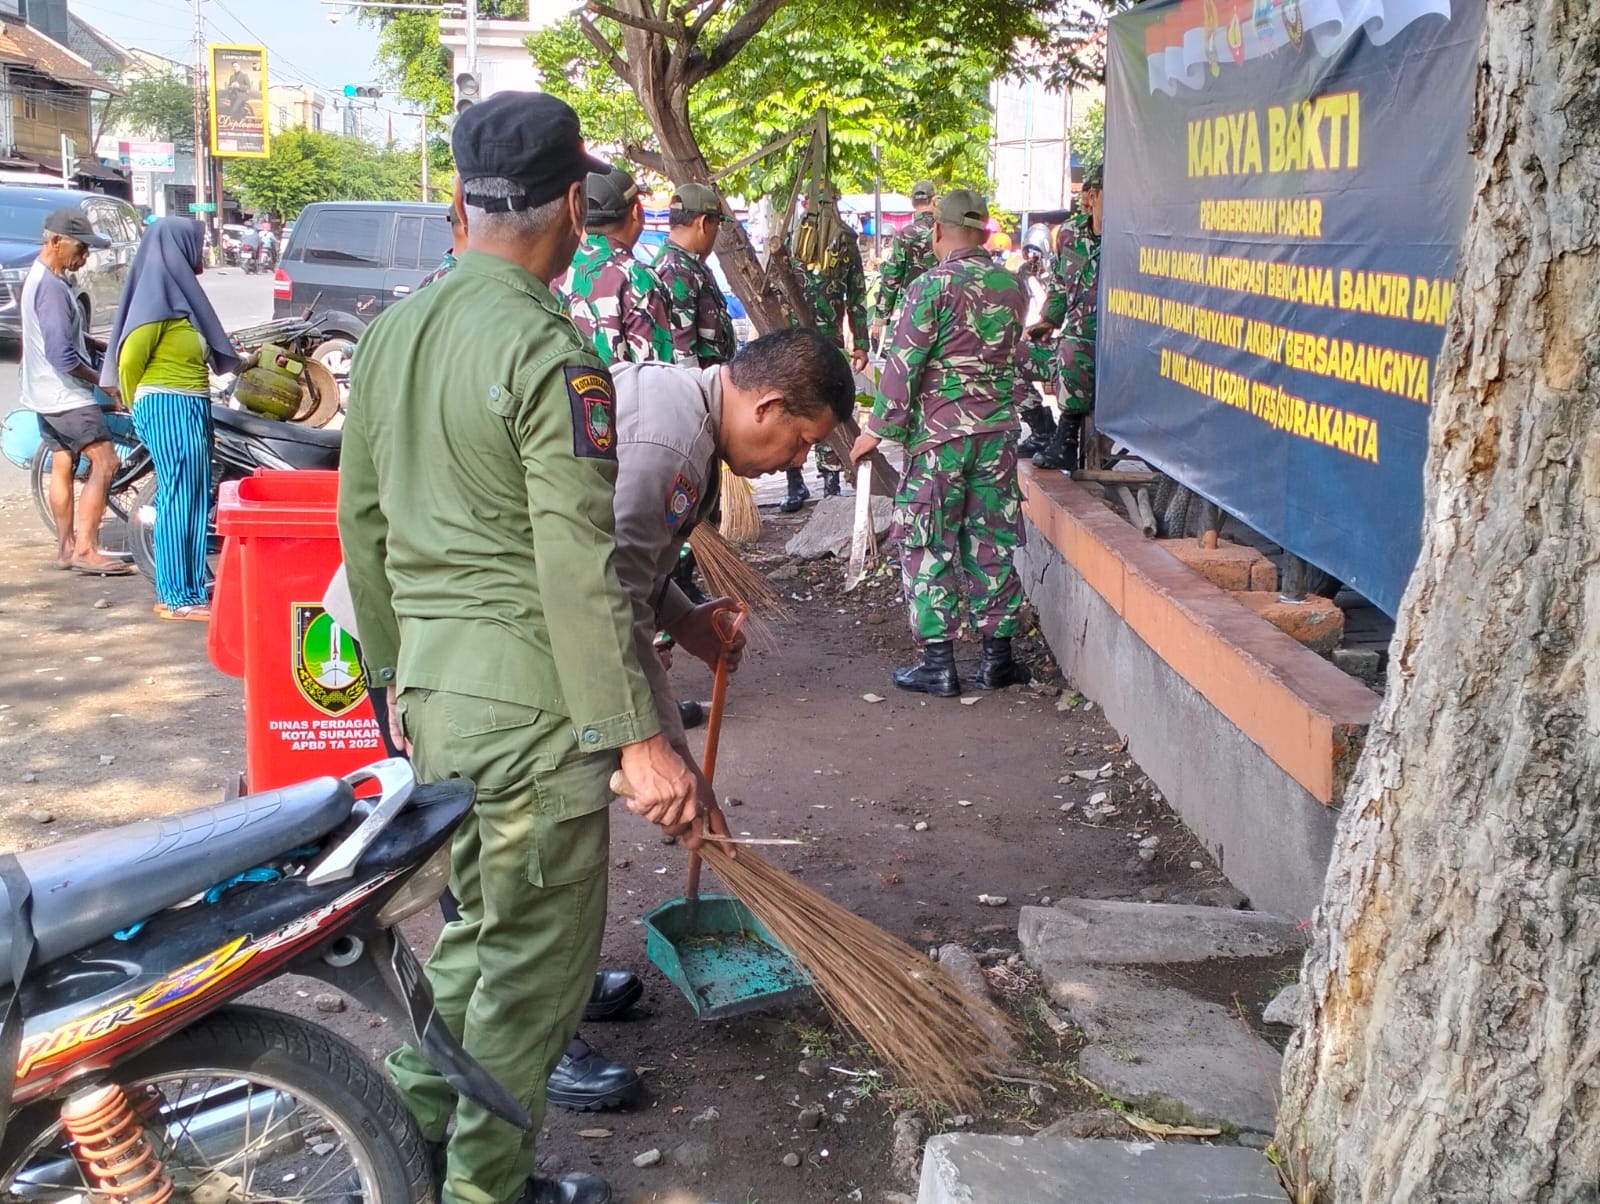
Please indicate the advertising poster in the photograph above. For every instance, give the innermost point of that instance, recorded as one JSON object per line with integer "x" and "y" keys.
{"x": 1286, "y": 183}
{"x": 238, "y": 91}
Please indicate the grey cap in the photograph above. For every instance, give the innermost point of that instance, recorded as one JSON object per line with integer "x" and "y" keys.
{"x": 923, "y": 191}
{"x": 72, "y": 222}
{"x": 611, "y": 194}
{"x": 963, "y": 207}
{"x": 697, "y": 199}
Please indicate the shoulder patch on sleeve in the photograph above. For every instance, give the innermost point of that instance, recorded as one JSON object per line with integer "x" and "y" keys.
{"x": 680, "y": 499}
{"x": 593, "y": 399}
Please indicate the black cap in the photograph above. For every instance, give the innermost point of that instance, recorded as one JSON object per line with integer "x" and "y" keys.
{"x": 612, "y": 193}
{"x": 1094, "y": 177}
{"x": 72, "y": 222}
{"x": 531, "y": 138}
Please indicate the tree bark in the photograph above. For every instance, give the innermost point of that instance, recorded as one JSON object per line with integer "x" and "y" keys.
{"x": 1452, "y": 1050}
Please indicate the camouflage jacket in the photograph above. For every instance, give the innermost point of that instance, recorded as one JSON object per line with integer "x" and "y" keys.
{"x": 1070, "y": 302}
{"x": 838, "y": 292}
{"x": 952, "y": 359}
{"x": 617, "y": 303}
{"x": 910, "y": 255}
{"x": 702, "y": 328}
{"x": 440, "y": 272}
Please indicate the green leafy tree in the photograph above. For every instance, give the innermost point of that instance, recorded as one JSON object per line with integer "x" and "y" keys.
{"x": 309, "y": 165}
{"x": 160, "y": 107}
{"x": 1087, "y": 137}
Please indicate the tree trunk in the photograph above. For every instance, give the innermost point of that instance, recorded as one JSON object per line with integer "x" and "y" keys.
{"x": 1452, "y": 1050}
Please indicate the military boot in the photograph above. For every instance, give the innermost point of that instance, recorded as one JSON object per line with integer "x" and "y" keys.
{"x": 830, "y": 483}
{"x": 1041, "y": 425}
{"x": 1063, "y": 449}
{"x": 996, "y": 669}
{"x": 798, "y": 493}
{"x": 934, "y": 674}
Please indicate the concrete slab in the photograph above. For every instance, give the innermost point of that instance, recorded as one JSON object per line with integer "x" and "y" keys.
{"x": 1100, "y": 930}
{"x": 972, "y": 1168}
{"x": 1226, "y": 566}
{"x": 1177, "y": 1058}
{"x": 832, "y": 522}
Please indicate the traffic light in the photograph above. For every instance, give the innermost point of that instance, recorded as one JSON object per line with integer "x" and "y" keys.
{"x": 362, "y": 91}
{"x": 468, "y": 90}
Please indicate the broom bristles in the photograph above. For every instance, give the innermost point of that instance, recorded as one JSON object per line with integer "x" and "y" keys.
{"x": 729, "y": 576}
{"x": 936, "y": 1039}
{"x": 741, "y": 517}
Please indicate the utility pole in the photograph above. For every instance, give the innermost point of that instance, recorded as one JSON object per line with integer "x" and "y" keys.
{"x": 472, "y": 36}
{"x": 200, "y": 129}
{"x": 424, "y": 156}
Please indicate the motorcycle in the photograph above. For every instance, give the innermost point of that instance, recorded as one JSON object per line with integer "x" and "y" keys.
{"x": 250, "y": 257}
{"x": 136, "y": 1076}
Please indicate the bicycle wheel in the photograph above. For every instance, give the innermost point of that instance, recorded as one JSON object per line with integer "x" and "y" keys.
{"x": 246, "y": 1105}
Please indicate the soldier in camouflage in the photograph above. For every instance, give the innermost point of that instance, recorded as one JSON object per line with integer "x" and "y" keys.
{"x": 837, "y": 293}
{"x": 1071, "y": 307}
{"x": 946, "y": 395}
{"x": 458, "y": 244}
{"x": 1036, "y": 358}
{"x": 616, "y": 302}
{"x": 702, "y": 329}
{"x": 910, "y": 255}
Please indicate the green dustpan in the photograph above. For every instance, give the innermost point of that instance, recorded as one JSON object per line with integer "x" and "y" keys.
{"x": 721, "y": 957}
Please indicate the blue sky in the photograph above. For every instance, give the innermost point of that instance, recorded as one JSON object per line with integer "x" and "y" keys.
{"x": 301, "y": 44}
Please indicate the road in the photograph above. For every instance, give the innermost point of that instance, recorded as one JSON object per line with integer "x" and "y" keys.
{"x": 240, "y": 300}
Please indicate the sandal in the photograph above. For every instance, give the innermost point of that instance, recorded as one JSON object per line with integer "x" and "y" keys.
{"x": 198, "y": 613}
{"x": 101, "y": 568}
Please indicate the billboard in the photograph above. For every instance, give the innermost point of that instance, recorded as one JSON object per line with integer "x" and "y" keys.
{"x": 1286, "y": 182}
{"x": 238, "y": 93}
{"x": 147, "y": 156}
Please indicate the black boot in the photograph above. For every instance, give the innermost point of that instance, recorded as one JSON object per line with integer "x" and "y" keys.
{"x": 691, "y": 713}
{"x": 934, "y": 674}
{"x": 996, "y": 669}
{"x": 1063, "y": 449}
{"x": 1041, "y": 425}
{"x": 586, "y": 1081}
{"x": 798, "y": 493}
{"x": 684, "y": 576}
{"x": 830, "y": 483}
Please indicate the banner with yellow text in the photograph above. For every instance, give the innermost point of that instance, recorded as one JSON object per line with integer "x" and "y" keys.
{"x": 238, "y": 92}
{"x": 1286, "y": 182}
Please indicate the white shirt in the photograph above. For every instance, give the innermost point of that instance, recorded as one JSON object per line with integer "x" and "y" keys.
{"x": 52, "y": 344}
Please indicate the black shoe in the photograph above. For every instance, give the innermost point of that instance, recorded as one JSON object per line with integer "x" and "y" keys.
{"x": 569, "y": 1189}
{"x": 996, "y": 669}
{"x": 586, "y": 1082}
{"x": 830, "y": 483}
{"x": 684, "y": 576}
{"x": 1063, "y": 449}
{"x": 691, "y": 713}
{"x": 615, "y": 991}
{"x": 934, "y": 674}
{"x": 798, "y": 493}
{"x": 1041, "y": 426}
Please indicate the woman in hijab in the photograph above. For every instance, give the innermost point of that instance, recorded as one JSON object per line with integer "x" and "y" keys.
{"x": 165, "y": 337}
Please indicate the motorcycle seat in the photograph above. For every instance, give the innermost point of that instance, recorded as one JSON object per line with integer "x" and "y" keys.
{"x": 274, "y": 431}
{"x": 90, "y": 887}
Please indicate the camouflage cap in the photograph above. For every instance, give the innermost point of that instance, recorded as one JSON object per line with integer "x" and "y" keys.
{"x": 963, "y": 207}
{"x": 611, "y": 194}
{"x": 1094, "y": 177}
{"x": 697, "y": 199}
{"x": 923, "y": 191}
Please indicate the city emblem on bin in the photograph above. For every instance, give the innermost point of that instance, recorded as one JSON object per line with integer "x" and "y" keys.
{"x": 326, "y": 668}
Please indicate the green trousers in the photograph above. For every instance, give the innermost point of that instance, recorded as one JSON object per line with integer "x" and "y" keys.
{"x": 512, "y": 975}
{"x": 958, "y": 518}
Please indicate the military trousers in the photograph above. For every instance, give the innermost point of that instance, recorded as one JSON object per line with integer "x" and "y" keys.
{"x": 958, "y": 518}
{"x": 1075, "y": 374}
{"x": 511, "y": 976}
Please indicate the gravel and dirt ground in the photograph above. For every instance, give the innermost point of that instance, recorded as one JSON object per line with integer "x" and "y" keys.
{"x": 108, "y": 715}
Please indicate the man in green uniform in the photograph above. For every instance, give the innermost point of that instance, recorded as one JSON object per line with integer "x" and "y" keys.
{"x": 1071, "y": 306}
{"x": 910, "y": 255}
{"x": 837, "y": 291}
{"x": 702, "y": 329}
{"x": 615, "y": 301}
{"x": 475, "y": 514}
{"x": 946, "y": 395}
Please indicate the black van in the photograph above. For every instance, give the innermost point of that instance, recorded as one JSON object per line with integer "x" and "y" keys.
{"x": 360, "y": 256}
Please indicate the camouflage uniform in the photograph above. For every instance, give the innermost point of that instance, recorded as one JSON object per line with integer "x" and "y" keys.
{"x": 838, "y": 293}
{"x": 910, "y": 255}
{"x": 440, "y": 272}
{"x": 617, "y": 303}
{"x": 702, "y": 328}
{"x": 946, "y": 395}
{"x": 1071, "y": 305}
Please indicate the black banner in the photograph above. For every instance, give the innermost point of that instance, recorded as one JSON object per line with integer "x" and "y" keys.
{"x": 1286, "y": 183}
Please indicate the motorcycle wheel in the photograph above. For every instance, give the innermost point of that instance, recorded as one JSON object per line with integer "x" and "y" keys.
{"x": 116, "y": 529}
{"x": 142, "y": 530}
{"x": 249, "y": 1105}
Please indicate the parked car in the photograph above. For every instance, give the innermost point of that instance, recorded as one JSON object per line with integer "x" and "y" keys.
{"x": 355, "y": 258}
{"x": 98, "y": 285}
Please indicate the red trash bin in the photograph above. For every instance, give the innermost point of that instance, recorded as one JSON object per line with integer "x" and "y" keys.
{"x": 306, "y": 710}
